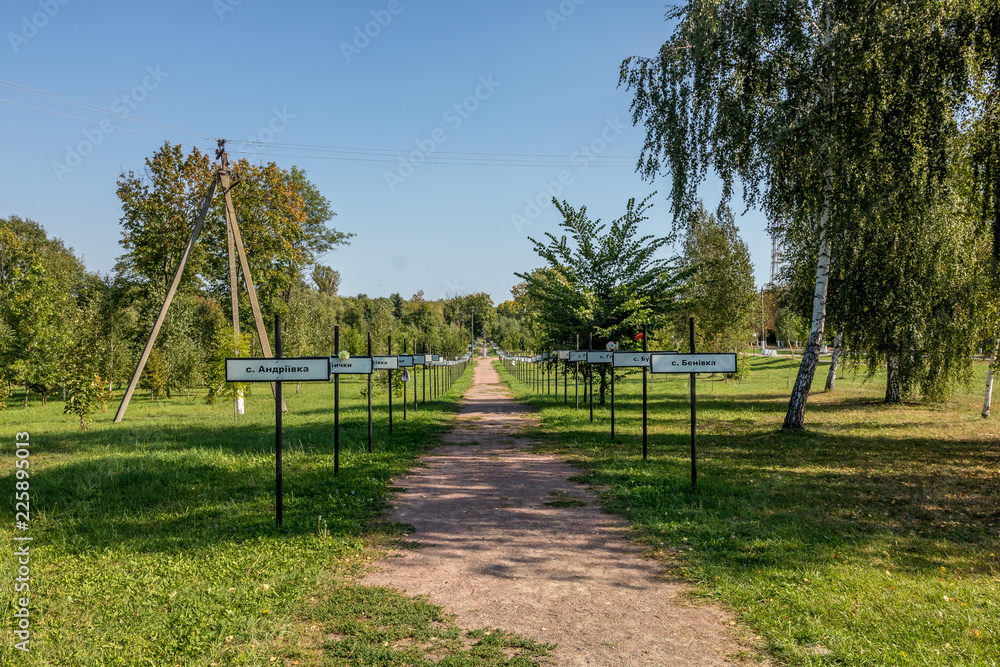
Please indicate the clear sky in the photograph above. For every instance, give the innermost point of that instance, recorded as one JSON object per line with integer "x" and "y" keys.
{"x": 484, "y": 88}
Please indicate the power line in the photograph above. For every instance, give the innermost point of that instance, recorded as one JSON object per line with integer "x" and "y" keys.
{"x": 340, "y": 153}
{"x": 429, "y": 160}
{"x": 85, "y": 120}
{"x": 94, "y": 107}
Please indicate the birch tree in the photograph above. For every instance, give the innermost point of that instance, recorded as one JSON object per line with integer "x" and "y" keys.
{"x": 791, "y": 98}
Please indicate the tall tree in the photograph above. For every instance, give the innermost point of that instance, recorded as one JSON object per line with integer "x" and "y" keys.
{"x": 801, "y": 101}
{"x": 721, "y": 292}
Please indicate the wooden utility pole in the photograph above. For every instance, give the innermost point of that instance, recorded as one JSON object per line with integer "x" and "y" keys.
{"x": 235, "y": 239}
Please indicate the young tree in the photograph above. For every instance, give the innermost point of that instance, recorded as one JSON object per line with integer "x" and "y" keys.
{"x": 600, "y": 278}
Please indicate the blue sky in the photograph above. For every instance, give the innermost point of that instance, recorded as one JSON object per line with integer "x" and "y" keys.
{"x": 395, "y": 78}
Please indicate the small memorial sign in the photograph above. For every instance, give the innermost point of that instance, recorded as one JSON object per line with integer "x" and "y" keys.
{"x": 631, "y": 359}
{"x": 301, "y": 369}
{"x": 351, "y": 366}
{"x": 597, "y": 357}
{"x": 666, "y": 362}
{"x": 385, "y": 363}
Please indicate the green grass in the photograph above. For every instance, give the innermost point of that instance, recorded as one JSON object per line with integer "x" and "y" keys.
{"x": 155, "y": 540}
{"x": 870, "y": 539}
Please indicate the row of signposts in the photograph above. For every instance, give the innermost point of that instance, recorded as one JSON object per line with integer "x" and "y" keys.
{"x": 534, "y": 371}
{"x": 443, "y": 373}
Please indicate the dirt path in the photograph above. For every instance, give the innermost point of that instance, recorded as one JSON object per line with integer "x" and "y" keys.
{"x": 497, "y": 555}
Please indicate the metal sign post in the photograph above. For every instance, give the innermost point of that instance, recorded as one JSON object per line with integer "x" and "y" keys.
{"x": 627, "y": 359}
{"x": 369, "y": 396}
{"x": 645, "y": 449}
{"x": 338, "y": 367}
{"x": 692, "y": 364}
{"x": 276, "y": 370}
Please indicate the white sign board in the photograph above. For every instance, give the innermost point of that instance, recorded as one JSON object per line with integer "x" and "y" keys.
{"x": 594, "y": 357}
{"x": 419, "y": 359}
{"x": 385, "y": 363}
{"x": 436, "y": 357}
{"x": 300, "y": 369}
{"x": 664, "y": 362}
{"x": 563, "y": 355}
{"x": 405, "y": 361}
{"x": 578, "y": 356}
{"x": 352, "y": 366}
{"x": 631, "y": 359}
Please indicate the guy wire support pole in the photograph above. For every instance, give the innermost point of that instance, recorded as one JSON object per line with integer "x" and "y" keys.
{"x": 277, "y": 425}
{"x": 644, "y": 449}
{"x": 390, "y": 385}
{"x": 241, "y": 252}
{"x": 590, "y": 373}
{"x": 370, "y": 395}
{"x": 336, "y": 405}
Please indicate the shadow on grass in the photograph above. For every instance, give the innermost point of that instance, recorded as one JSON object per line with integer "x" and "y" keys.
{"x": 155, "y": 485}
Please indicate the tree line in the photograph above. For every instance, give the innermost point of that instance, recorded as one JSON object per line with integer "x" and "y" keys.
{"x": 73, "y": 334}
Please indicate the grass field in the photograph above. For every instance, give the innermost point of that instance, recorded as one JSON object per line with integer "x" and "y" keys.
{"x": 870, "y": 539}
{"x": 154, "y": 540}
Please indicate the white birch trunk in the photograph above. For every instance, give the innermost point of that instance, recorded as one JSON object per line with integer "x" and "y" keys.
{"x": 988, "y": 399}
{"x": 795, "y": 417}
{"x": 831, "y": 377}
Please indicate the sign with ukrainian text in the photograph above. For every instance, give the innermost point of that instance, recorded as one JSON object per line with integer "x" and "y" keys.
{"x": 300, "y": 369}
{"x": 597, "y": 357}
{"x": 385, "y": 363}
{"x": 631, "y": 359}
{"x": 351, "y": 366}
{"x": 578, "y": 356}
{"x": 405, "y": 361}
{"x": 693, "y": 363}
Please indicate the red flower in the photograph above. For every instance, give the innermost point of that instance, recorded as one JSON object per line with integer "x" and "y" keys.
{"x": 638, "y": 336}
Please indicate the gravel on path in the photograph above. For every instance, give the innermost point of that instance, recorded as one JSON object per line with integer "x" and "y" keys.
{"x": 494, "y": 552}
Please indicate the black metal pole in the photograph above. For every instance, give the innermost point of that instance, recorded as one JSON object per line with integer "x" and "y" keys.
{"x": 566, "y": 381}
{"x": 278, "y": 491}
{"x": 612, "y": 396}
{"x": 694, "y": 414}
{"x": 590, "y": 373}
{"x": 404, "y": 384}
{"x": 336, "y": 405}
{"x": 645, "y": 451}
{"x": 370, "y": 395}
{"x": 576, "y": 374}
{"x": 390, "y": 387}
